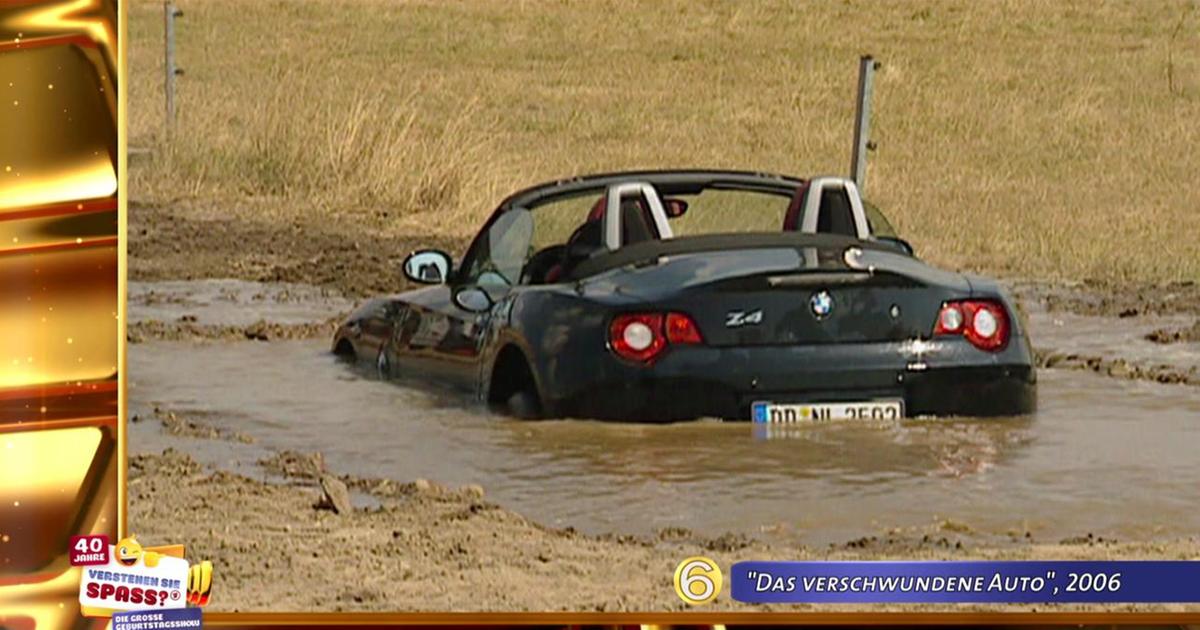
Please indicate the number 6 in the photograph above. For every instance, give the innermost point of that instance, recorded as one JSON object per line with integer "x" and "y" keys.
{"x": 689, "y": 579}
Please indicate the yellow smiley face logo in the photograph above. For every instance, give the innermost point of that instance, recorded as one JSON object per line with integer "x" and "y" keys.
{"x": 128, "y": 551}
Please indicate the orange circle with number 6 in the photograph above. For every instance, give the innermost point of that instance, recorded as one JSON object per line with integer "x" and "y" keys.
{"x": 698, "y": 580}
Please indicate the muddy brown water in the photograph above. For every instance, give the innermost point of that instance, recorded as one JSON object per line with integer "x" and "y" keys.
{"x": 1113, "y": 457}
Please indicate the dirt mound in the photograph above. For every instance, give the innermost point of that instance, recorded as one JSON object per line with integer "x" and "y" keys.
{"x": 1122, "y": 300}
{"x": 1179, "y": 335}
{"x": 188, "y": 425}
{"x": 311, "y": 466}
{"x": 191, "y": 242}
{"x": 186, "y": 329}
{"x": 1118, "y": 367}
{"x": 294, "y": 465}
{"x": 169, "y": 464}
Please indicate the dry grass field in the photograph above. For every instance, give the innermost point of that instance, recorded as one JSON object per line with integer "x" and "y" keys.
{"x": 1049, "y": 139}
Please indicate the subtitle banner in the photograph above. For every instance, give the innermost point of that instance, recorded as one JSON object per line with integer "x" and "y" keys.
{"x": 999, "y": 582}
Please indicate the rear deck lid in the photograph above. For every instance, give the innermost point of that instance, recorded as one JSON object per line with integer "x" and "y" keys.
{"x": 837, "y": 293}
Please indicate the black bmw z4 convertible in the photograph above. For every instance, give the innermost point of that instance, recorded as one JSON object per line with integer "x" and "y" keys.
{"x": 668, "y": 295}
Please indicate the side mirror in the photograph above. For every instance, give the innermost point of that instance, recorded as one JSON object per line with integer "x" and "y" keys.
{"x": 675, "y": 208}
{"x": 898, "y": 244}
{"x": 473, "y": 299}
{"x": 428, "y": 266}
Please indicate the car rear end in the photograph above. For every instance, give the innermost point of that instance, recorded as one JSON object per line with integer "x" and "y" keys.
{"x": 803, "y": 335}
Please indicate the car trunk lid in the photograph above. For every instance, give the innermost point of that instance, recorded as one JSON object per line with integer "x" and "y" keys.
{"x": 791, "y": 295}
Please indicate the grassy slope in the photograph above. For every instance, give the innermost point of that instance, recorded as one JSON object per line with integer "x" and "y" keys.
{"x": 1046, "y": 139}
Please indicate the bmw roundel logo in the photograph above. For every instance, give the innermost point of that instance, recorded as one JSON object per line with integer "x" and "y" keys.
{"x": 821, "y": 304}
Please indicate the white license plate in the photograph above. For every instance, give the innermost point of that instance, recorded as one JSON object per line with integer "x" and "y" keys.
{"x": 766, "y": 412}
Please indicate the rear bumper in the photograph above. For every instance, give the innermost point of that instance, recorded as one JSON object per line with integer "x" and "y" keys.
{"x": 940, "y": 378}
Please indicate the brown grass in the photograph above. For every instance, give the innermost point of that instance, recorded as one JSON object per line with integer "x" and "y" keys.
{"x": 1020, "y": 138}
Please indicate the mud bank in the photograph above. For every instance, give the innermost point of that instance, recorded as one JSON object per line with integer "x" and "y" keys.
{"x": 1118, "y": 367}
{"x": 429, "y": 547}
{"x": 195, "y": 241}
{"x": 190, "y": 426}
{"x": 1140, "y": 332}
{"x": 1190, "y": 334}
{"x": 185, "y": 329}
{"x": 1121, "y": 300}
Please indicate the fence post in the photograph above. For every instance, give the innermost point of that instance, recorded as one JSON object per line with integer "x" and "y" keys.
{"x": 862, "y": 122}
{"x": 169, "y": 15}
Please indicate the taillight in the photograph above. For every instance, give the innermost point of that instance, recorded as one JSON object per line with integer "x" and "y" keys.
{"x": 642, "y": 337}
{"x": 682, "y": 329}
{"x": 637, "y": 337}
{"x": 983, "y": 322}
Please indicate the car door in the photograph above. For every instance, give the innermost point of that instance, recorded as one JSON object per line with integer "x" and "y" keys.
{"x": 438, "y": 340}
{"x": 375, "y": 327}
{"x": 443, "y": 333}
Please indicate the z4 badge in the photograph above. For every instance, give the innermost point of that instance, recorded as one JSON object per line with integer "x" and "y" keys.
{"x": 737, "y": 319}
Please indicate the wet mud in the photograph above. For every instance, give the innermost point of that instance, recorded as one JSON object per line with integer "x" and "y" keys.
{"x": 1157, "y": 341}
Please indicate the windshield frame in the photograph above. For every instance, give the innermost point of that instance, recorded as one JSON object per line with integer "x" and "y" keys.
{"x": 666, "y": 183}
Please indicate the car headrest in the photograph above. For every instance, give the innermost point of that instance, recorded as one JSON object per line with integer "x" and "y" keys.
{"x": 634, "y": 226}
{"x": 635, "y": 223}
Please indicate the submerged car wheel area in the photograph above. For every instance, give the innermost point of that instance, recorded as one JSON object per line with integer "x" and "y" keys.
{"x": 670, "y": 295}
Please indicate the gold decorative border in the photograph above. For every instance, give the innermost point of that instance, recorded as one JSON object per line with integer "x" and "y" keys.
{"x": 122, "y": 31}
{"x": 61, "y": 300}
